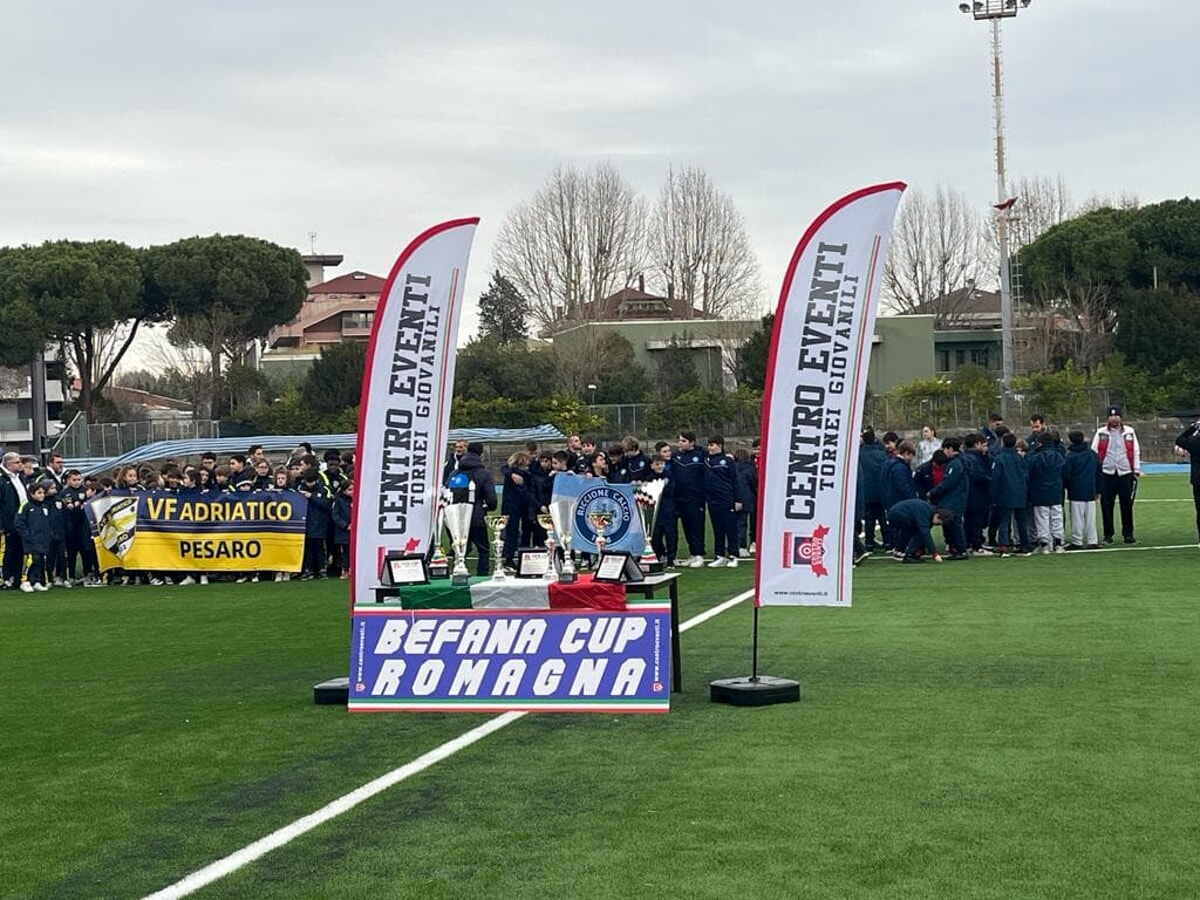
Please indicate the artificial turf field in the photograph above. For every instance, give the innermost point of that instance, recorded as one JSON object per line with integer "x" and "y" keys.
{"x": 1001, "y": 728}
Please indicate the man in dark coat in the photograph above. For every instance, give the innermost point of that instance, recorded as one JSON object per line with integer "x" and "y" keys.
{"x": 12, "y": 498}
{"x": 1189, "y": 441}
{"x": 485, "y": 500}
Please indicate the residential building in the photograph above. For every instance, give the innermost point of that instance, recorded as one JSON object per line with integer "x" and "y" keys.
{"x": 341, "y": 309}
{"x": 16, "y": 406}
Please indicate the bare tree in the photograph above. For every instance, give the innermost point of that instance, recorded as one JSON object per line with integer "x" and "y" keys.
{"x": 578, "y": 240}
{"x": 1041, "y": 203}
{"x": 700, "y": 247}
{"x": 1124, "y": 200}
{"x": 939, "y": 253}
{"x": 1077, "y": 318}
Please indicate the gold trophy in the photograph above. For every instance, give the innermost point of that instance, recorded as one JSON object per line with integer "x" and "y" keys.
{"x": 546, "y": 523}
{"x": 498, "y": 524}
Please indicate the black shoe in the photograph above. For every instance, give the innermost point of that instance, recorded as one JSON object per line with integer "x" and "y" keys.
{"x": 861, "y": 557}
{"x": 1025, "y": 551}
{"x": 1073, "y": 547}
{"x": 958, "y": 556}
{"x": 1131, "y": 540}
{"x": 912, "y": 559}
{"x": 1108, "y": 540}
{"x": 1093, "y": 546}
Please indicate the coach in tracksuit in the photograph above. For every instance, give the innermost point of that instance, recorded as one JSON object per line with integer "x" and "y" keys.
{"x": 1121, "y": 466}
{"x": 688, "y": 468}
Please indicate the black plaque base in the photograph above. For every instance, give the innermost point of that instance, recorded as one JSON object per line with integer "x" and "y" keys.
{"x": 765, "y": 690}
{"x": 334, "y": 692}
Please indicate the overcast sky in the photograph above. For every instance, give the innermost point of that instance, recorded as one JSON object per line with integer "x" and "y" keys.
{"x": 366, "y": 122}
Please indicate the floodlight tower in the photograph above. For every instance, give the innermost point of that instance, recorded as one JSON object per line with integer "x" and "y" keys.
{"x": 994, "y": 11}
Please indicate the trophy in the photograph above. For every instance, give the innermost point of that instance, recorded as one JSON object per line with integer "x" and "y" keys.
{"x": 562, "y": 514}
{"x": 497, "y": 524}
{"x": 600, "y": 519}
{"x": 458, "y": 515}
{"x": 647, "y": 497}
{"x": 439, "y": 566}
{"x": 546, "y": 523}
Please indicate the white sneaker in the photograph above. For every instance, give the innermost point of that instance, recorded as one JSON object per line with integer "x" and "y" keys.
{"x": 695, "y": 562}
{"x": 279, "y": 576}
{"x": 744, "y": 553}
{"x": 40, "y": 586}
{"x": 157, "y": 582}
{"x": 187, "y": 579}
{"x": 58, "y": 582}
{"x": 733, "y": 563}
{"x": 27, "y": 587}
{"x": 254, "y": 579}
{"x": 204, "y": 579}
{"x": 718, "y": 563}
{"x": 753, "y": 549}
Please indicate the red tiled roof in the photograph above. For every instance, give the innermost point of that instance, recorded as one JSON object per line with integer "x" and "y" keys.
{"x": 350, "y": 283}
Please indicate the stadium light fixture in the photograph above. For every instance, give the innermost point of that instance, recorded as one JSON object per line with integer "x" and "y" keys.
{"x": 993, "y": 11}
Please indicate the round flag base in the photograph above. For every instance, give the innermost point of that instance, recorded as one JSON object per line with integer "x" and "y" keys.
{"x": 763, "y": 690}
{"x": 334, "y": 692}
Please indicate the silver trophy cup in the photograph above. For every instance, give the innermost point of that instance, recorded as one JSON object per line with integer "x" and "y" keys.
{"x": 458, "y": 523}
{"x": 562, "y": 511}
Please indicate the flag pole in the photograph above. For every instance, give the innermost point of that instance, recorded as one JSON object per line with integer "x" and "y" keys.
{"x": 813, "y": 398}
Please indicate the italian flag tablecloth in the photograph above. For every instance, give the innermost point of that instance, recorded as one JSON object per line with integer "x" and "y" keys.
{"x": 514, "y": 593}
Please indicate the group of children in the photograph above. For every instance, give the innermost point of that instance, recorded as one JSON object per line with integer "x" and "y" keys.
{"x": 52, "y": 538}
{"x": 697, "y": 482}
{"x": 991, "y": 492}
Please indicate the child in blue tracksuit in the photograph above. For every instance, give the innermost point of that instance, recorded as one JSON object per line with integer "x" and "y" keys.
{"x": 1081, "y": 476}
{"x": 1009, "y": 492}
{"x": 33, "y": 525}
{"x": 665, "y": 539}
{"x": 720, "y": 494}
{"x": 342, "y": 513}
{"x": 316, "y": 524}
{"x": 747, "y": 495}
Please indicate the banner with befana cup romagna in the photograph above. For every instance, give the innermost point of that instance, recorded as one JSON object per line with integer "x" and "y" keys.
{"x": 217, "y": 532}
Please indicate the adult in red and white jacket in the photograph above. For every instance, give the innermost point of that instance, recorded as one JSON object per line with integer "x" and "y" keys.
{"x": 1116, "y": 445}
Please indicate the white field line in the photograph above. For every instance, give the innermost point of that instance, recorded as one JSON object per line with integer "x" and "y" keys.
{"x": 288, "y": 833}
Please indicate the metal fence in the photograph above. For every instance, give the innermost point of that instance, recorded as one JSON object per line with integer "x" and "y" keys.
{"x": 108, "y": 439}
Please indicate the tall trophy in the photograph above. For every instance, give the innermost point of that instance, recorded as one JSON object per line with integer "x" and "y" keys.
{"x": 647, "y": 497}
{"x": 439, "y": 565}
{"x": 547, "y": 525}
{"x": 600, "y": 520}
{"x": 497, "y": 524}
{"x": 562, "y": 514}
{"x": 458, "y": 515}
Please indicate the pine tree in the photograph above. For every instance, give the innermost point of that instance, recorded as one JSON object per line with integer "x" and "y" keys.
{"x": 503, "y": 311}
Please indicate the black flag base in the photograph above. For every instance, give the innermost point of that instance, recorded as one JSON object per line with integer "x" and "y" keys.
{"x": 334, "y": 692}
{"x": 754, "y": 690}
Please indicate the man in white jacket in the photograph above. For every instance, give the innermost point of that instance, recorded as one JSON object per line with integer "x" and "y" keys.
{"x": 1120, "y": 465}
